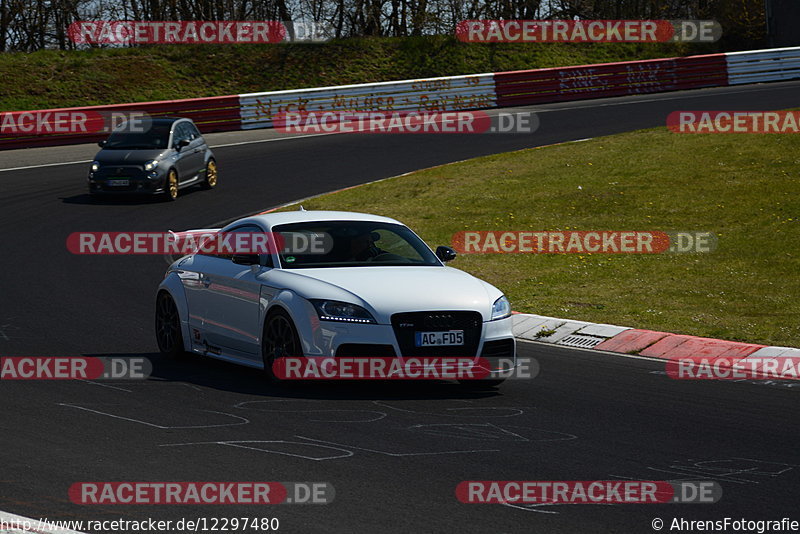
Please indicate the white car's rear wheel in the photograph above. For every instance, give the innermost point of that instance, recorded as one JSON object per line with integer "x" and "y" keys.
{"x": 168, "y": 326}
{"x": 279, "y": 340}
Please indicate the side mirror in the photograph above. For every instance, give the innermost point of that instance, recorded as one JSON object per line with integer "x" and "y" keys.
{"x": 445, "y": 253}
{"x": 102, "y": 143}
{"x": 182, "y": 143}
{"x": 245, "y": 259}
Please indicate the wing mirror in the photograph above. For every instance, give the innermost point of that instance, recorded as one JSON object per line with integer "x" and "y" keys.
{"x": 445, "y": 253}
{"x": 102, "y": 143}
{"x": 182, "y": 144}
{"x": 245, "y": 259}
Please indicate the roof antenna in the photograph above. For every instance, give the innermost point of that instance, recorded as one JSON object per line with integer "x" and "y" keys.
{"x": 302, "y": 208}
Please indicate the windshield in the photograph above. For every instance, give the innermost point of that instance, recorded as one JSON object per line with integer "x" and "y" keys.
{"x": 359, "y": 244}
{"x": 157, "y": 136}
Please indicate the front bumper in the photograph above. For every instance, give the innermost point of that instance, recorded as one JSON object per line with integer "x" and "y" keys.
{"x": 139, "y": 182}
{"x": 495, "y": 344}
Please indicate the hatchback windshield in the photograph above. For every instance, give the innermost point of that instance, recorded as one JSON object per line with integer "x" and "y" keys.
{"x": 358, "y": 244}
{"x": 157, "y": 136}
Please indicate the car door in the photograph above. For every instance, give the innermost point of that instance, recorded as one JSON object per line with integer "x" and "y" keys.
{"x": 232, "y": 302}
{"x": 192, "y": 274}
{"x": 190, "y": 157}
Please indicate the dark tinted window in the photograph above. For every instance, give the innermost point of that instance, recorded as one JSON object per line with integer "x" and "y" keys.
{"x": 192, "y": 129}
{"x": 157, "y": 136}
{"x": 359, "y": 244}
{"x": 181, "y": 133}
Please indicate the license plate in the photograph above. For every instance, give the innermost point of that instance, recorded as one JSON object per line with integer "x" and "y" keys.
{"x": 119, "y": 182}
{"x": 439, "y": 339}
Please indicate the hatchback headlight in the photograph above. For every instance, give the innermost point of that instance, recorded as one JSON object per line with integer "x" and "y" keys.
{"x": 501, "y": 308}
{"x": 95, "y": 166}
{"x": 150, "y": 165}
{"x": 334, "y": 310}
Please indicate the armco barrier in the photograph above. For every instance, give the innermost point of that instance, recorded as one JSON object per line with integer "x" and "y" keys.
{"x": 214, "y": 114}
{"x": 609, "y": 79}
{"x": 479, "y": 91}
{"x": 763, "y": 65}
{"x": 451, "y": 93}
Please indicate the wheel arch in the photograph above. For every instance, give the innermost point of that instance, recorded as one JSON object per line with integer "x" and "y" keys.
{"x": 174, "y": 288}
{"x": 300, "y": 312}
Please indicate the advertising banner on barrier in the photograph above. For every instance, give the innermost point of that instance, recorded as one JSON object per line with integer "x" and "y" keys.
{"x": 456, "y": 93}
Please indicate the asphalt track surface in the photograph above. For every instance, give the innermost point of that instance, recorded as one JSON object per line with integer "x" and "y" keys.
{"x": 394, "y": 452}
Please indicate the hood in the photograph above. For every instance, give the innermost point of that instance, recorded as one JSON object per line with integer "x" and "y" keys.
{"x": 388, "y": 290}
{"x": 128, "y": 157}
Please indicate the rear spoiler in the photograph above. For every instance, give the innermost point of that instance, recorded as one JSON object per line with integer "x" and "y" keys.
{"x": 188, "y": 238}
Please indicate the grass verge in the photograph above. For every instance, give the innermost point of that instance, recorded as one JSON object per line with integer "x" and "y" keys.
{"x": 742, "y": 187}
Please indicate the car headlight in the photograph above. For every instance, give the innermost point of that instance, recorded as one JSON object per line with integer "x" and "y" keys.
{"x": 95, "y": 166}
{"x": 501, "y": 308}
{"x": 150, "y": 165}
{"x": 334, "y": 310}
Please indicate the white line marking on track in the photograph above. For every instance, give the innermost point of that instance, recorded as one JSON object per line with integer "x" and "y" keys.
{"x": 239, "y": 445}
{"x": 105, "y": 386}
{"x": 268, "y": 140}
{"x": 243, "y": 420}
{"x": 397, "y": 454}
{"x": 212, "y": 146}
{"x": 45, "y": 165}
{"x": 376, "y": 416}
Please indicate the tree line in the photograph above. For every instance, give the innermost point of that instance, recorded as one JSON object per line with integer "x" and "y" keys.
{"x": 29, "y": 25}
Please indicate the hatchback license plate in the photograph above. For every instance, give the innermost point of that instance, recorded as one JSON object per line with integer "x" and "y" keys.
{"x": 119, "y": 182}
{"x": 439, "y": 339}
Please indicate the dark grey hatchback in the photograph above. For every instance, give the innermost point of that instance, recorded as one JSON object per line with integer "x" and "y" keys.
{"x": 168, "y": 155}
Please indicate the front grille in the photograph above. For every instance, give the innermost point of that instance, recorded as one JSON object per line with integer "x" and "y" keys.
{"x": 499, "y": 348}
{"x": 121, "y": 171}
{"x": 364, "y": 350}
{"x": 405, "y": 326}
{"x": 132, "y": 186}
{"x": 133, "y": 173}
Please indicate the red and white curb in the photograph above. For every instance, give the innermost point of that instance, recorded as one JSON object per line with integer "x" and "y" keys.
{"x": 647, "y": 343}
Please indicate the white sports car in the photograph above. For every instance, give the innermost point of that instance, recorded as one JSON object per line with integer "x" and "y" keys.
{"x": 377, "y": 291}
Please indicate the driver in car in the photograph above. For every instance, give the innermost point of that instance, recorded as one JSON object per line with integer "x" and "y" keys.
{"x": 362, "y": 247}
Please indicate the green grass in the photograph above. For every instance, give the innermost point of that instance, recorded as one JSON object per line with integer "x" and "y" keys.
{"x": 741, "y": 187}
{"x": 51, "y": 79}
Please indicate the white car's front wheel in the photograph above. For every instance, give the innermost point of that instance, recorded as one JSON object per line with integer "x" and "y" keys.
{"x": 279, "y": 340}
{"x": 168, "y": 326}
